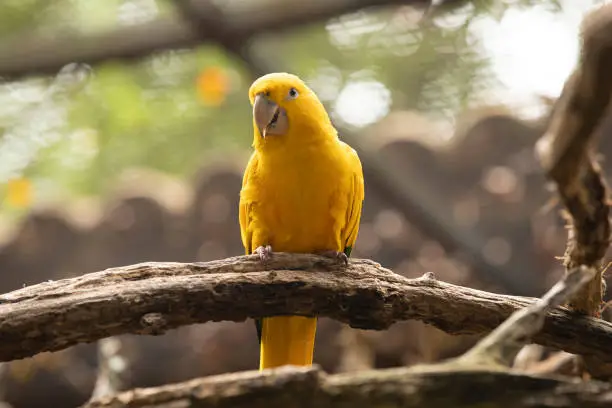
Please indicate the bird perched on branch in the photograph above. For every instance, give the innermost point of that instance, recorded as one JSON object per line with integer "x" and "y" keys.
{"x": 302, "y": 192}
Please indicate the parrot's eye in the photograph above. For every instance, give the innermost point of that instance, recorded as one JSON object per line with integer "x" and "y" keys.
{"x": 293, "y": 93}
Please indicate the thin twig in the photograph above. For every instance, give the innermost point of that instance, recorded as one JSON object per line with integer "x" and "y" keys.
{"x": 112, "y": 366}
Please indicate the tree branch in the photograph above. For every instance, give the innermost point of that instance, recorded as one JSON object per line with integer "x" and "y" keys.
{"x": 151, "y": 298}
{"x": 565, "y": 155}
{"x": 503, "y": 344}
{"x": 47, "y": 55}
{"x": 405, "y": 387}
{"x": 209, "y": 21}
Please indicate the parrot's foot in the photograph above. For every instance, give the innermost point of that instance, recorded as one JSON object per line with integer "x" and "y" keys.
{"x": 264, "y": 252}
{"x": 339, "y": 256}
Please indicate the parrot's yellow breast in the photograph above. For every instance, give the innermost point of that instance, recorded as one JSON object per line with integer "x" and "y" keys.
{"x": 297, "y": 200}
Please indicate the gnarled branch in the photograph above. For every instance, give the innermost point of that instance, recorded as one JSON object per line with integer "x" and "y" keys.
{"x": 151, "y": 298}
{"x": 565, "y": 153}
{"x": 405, "y": 387}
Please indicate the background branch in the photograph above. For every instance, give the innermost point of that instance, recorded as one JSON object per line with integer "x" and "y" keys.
{"x": 209, "y": 22}
{"x": 151, "y": 298}
{"x": 47, "y": 55}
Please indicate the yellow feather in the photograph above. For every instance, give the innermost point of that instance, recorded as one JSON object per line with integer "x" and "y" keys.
{"x": 302, "y": 192}
{"x": 287, "y": 340}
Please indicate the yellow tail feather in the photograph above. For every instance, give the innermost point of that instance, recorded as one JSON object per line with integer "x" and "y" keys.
{"x": 287, "y": 340}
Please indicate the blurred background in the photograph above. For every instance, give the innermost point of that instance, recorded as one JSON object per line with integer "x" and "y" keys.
{"x": 125, "y": 127}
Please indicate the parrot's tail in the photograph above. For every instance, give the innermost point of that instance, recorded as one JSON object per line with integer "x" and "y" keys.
{"x": 287, "y": 340}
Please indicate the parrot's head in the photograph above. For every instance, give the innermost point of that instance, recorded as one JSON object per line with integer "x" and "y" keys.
{"x": 285, "y": 108}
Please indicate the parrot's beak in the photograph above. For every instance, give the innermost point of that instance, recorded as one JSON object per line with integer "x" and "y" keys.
{"x": 270, "y": 118}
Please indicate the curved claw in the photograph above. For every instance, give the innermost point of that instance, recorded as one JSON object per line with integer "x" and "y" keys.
{"x": 264, "y": 252}
{"x": 339, "y": 256}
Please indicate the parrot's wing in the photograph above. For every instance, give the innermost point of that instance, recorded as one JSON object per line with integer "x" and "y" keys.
{"x": 243, "y": 211}
{"x": 355, "y": 201}
{"x": 243, "y": 215}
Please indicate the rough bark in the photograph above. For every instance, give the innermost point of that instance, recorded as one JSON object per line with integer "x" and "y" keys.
{"x": 566, "y": 154}
{"x": 405, "y": 387}
{"x": 151, "y": 298}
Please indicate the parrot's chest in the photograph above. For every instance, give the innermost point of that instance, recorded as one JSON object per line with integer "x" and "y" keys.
{"x": 303, "y": 203}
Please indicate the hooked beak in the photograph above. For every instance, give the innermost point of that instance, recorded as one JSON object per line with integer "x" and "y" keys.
{"x": 270, "y": 118}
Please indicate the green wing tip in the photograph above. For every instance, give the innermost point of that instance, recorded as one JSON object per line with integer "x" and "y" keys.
{"x": 347, "y": 250}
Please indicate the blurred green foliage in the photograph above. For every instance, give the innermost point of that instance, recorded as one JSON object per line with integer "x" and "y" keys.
{"x": 74, "y": 134}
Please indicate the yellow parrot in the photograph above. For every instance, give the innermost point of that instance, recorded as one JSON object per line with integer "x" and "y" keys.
{"x": 302, "y": 192}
